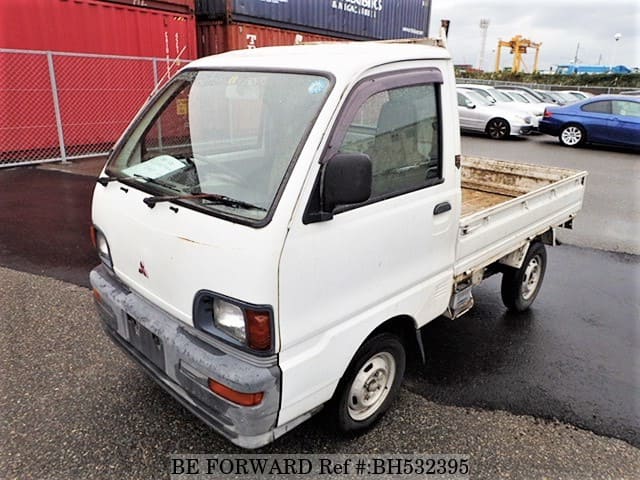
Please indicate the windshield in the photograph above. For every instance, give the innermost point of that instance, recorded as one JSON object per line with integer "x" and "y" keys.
{"x": 215, "y": 134}
{"x": 477, "y": 97}
{"x": 519, "y": 97}
{"x": 529, "y": 97}
{"x": 487, "y": 96}
{"x": 500, "y": 96}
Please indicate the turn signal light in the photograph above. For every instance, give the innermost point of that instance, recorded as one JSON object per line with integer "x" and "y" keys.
{"x": 240, "y": 398}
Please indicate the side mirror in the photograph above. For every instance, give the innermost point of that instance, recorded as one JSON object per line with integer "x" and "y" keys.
{"x": 347, "y": 179}
{"x": 470, "y": 104}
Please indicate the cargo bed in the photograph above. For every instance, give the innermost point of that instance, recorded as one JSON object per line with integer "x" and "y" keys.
{"x": 506, "y": 204}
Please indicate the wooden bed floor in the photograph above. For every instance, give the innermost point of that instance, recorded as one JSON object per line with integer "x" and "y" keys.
{"x": 475, "y": 200}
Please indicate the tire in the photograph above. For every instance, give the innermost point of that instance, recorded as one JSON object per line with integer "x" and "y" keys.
{"x": 370, "y": 384}
{"x": 572, "y": 135}
{"x": 498, "y": 128}
{"x": 520, "y": 286}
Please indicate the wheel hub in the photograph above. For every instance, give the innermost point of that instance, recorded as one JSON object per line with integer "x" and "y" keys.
{"x": 371, "y": 386}
{"x": 531, "y": 278}
{"x": 571, "y": 135}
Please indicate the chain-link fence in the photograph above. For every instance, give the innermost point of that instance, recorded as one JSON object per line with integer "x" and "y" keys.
{"x": 59, "y": 106}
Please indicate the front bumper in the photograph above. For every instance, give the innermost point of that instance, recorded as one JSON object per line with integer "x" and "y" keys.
{"x": 182, "y": 362}
{"x": 526, "y": 129}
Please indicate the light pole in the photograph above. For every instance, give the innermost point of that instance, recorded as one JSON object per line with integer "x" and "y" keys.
{"x": 617, "y": 38}
{"x": 484, "y": 25}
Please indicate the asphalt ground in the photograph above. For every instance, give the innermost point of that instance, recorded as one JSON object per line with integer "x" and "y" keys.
{"x": 74, "y": 407}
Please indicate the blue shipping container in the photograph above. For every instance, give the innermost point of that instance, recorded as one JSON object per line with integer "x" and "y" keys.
{"x": 357, "y": 19}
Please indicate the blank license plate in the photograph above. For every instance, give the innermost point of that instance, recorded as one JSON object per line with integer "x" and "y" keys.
{"x": 146, "y": 342}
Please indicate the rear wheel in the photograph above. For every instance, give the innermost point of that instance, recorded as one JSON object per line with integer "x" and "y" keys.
{"x": 520, "y": 286}
{"x": 370, "y": 384}
{"x": 498, "y": 128}
{"x": 572, "y": 136}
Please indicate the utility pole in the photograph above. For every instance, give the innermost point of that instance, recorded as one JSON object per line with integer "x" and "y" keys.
{"x": 617, "y": 38}
{"x": 484, "y": 26}
{"x": 575, "y": 58}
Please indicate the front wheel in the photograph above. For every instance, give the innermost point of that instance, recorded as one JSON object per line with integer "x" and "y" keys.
{"x": 521, "y": 286}
{"x": 498, "y": 128}
{"x": 572, "y": 136}
{"x": 370, "y": 384}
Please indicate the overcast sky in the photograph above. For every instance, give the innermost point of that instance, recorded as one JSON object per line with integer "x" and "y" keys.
{"x": 559, "y": 24}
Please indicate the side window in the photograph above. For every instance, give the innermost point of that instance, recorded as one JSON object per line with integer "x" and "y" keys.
{"x": 399, "y": 130}
{"x": 625, "y": 108}
{"x": 597, "y": 107}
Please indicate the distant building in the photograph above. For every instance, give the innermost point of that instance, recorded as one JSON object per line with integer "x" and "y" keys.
{"x": 466, "y": 68}
{"x": 576, "y": 69}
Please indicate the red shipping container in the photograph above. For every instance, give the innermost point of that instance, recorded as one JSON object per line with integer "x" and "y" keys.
{"x": 218, "y": 37}
{"x": 179, "y": 6}
{"x": 97, "y": 96}
{"x": 89, "y": 26}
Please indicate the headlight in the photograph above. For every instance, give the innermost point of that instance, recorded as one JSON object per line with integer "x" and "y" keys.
{"x": 229, "y": 318}
{"x": 249, "y": 326}
{"x": 100, "y": 242}
{"x": 528, "y": 120}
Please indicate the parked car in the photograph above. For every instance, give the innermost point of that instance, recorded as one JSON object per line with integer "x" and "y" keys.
{"x": 603, "y": 119}
{"x": 494, "y": 95}
{"x": 559, "y": 98}
{"x": 578, "y": 94}
{"x": 535, "y": 94}
{"x": 531, "y": 102}
{"x": 478, "y": 114}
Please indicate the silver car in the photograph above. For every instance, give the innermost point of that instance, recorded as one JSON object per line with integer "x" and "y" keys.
{"x": 492, "y": 94}
{"x": 537, "y": 107}
{"x": 478, "y": 114}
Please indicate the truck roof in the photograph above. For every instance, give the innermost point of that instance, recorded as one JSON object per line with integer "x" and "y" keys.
{"x": 339, "y": 58}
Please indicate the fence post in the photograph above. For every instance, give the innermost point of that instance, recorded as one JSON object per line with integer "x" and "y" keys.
{"x": 56, "y": 106}
{"x": 155, "y": 73}
{"x": 155, "y": 87}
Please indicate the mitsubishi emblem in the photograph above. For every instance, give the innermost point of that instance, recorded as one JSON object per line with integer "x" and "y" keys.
{"x": 142, "y": 270}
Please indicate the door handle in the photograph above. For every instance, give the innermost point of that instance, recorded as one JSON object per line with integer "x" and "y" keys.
{"x": 441, "y": 208}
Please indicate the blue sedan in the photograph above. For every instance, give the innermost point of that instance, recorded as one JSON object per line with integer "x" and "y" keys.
{"x": 604, "y": 119}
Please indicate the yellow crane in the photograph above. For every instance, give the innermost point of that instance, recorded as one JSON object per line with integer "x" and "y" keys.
{"x": 518, "y": 46}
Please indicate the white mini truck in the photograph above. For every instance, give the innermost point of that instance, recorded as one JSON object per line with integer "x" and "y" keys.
{"x": 277, "y": 224}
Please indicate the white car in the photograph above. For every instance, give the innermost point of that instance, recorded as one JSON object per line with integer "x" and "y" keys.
{"x": 492, "y": 94}
{"x": 481, "y": 115}
{"x": 580, "y": 95}
{"x": 529, "y": 100}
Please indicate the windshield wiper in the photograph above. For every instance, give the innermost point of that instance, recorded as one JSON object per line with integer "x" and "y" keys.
{"x": 211, "y": 197}
{"x": 156, "y": 181}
